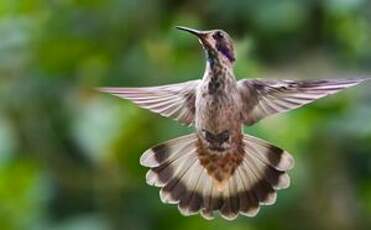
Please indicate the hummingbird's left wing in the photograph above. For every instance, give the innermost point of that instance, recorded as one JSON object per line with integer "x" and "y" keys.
{"x": 176, "y": 100}
{"x": 262, "y": 98}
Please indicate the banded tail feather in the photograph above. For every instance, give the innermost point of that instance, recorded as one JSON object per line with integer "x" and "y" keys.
{"x": 176, "y": 169}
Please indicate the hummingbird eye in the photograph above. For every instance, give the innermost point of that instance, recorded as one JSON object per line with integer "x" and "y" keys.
{"x": 218, "y": 35}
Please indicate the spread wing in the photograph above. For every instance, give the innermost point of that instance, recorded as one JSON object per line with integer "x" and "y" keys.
{"x": 176, "y": 100}
{"x": 262, "y": 98}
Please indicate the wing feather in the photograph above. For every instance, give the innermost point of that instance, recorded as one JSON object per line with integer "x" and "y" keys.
{"x": 176, "y": 101}
{"x": 262, "y": 98}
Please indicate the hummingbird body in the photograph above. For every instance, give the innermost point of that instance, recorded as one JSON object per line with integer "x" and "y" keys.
{"x": 219, "y": 168}
{"x": 218, "y": 123}
{"x": 217, "y": 102}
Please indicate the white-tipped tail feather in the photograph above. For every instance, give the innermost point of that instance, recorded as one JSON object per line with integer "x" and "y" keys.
{"x": 175, "y": 167}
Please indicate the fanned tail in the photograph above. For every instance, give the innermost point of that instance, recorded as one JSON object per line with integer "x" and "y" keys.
{"x": 175, "y": 167}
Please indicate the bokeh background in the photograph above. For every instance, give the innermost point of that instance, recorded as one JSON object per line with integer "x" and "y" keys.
{"x": 69, "y": 155}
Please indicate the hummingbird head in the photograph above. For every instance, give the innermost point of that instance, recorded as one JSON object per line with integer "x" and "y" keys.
{"x": 217, "y": 44}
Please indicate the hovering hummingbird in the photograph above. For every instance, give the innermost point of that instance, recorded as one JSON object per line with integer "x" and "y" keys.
{"x": 220, "y": 168}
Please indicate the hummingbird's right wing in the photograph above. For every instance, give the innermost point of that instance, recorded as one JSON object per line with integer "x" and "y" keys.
{"x": 262, "y": 98}
{"x": 175, "y": 101}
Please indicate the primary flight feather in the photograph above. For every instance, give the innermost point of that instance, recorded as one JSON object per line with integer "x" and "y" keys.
{"x": 219, "y": 168}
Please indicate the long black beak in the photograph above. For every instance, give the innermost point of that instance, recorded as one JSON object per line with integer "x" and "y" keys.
{"x": 200, "y": 34}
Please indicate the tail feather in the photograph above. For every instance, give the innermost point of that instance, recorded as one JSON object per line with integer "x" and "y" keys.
{"x": 208, "y": 195}
{"x": 265, "y": 194}
{"x": 172, "y": 191}
{"x": 268, "y": 154}
{"x": 226, "y": 208}
{"x": 190, "y": 180}
{"x": 170, "y": 151}
{"x": 176, "y": 188}
{"x": 196, "y": 199}
{"x": 175, "y": 167}
{"x": 230, "y": 207}
{"x": 249, "y": 203}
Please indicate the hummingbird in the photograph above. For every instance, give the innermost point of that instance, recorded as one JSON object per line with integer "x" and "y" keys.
{"x": 219, "y": 168}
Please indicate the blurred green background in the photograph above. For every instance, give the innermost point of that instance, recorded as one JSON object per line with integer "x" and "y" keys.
{"x": 69, "y": 155}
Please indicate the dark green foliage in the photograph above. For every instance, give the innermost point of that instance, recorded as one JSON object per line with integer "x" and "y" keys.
{"x": 69, "y": 156}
